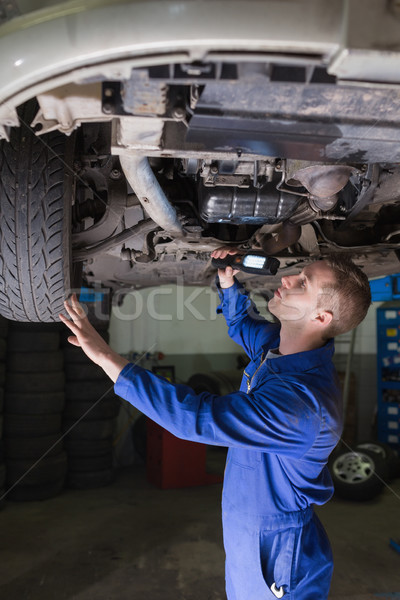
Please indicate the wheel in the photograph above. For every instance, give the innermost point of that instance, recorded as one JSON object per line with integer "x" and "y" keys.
{"x": 90, "y": 479}
{"x": 3, "y": 349}
{"x": 357, "y": 475}
{"x": 35, "y": 239}
{"x": 32, "y": 493}
{"x": 82, "y": 371}
{"x": 35, "y": 382}
{"x": 86, "y": 448}
{"x": 41, "y": 403}
{"x": 88, "y": 391}
{"x": 36, "y": 472}
{"x": 3, "y": 328}
{"x": 32, "y": 341}
{"x": 88, "y": 430}
{"x": 82, "y": 464}
{"x": 106, "y": 408}
{"x": 386, "y": 452}
{"x": 33, "y": 447}
{"x": 33, "y": 362}
{"x": 2, "y": 482}
{"x": 139, "y": 436}
{"x": 26, "y": 426}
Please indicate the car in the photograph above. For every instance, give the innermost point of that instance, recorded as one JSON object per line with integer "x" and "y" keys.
{"x": 138, "y": 136}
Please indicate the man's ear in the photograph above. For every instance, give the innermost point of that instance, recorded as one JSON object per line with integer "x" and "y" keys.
{"x": 324, "y": 318}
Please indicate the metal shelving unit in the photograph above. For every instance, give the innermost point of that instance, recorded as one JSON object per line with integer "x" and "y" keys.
{"x": 388, "y": 373}
{"x": 387, "y": 289}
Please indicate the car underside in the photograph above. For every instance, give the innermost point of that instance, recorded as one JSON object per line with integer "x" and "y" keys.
{"x": 126, "y": 170}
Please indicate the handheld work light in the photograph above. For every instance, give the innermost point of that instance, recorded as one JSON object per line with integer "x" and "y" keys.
{"x": 251, "y": 262}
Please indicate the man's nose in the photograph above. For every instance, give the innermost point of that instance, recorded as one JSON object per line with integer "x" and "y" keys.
{"x": 285, "y": 281}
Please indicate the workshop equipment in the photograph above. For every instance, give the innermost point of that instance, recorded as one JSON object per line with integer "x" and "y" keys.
{"x": 175, "y": 463}
{"x": 388, "y": 373}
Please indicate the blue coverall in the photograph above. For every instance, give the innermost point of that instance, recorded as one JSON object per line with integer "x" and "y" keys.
{"x": 279, "y": 429}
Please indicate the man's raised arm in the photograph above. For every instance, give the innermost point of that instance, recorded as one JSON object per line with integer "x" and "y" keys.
{"x": 245, "y": 325}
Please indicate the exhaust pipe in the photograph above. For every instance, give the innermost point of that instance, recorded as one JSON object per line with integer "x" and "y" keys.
{"x": 150, "y": 194}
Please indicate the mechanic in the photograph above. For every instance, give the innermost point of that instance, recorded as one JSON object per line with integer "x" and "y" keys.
{"x": 279, "y": 428}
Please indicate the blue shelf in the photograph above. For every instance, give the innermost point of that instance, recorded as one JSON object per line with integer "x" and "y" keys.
{"x": 388, "y": 359}
{"x": 389, "y": 385}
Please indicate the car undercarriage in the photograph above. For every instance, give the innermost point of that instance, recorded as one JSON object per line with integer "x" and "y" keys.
{"x": 163, "y": 156}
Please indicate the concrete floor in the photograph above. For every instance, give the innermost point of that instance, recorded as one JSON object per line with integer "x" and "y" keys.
{"x": 133, "y": 541}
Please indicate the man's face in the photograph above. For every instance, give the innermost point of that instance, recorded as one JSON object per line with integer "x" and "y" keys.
{"x": 297, "y": 298}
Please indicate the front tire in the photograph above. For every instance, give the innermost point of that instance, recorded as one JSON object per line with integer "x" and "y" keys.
{"x": 35, "y": 236}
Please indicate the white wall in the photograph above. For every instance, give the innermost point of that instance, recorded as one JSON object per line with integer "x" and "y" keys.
{"x": 172, "y": 320}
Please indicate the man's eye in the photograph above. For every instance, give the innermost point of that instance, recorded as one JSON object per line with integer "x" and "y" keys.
{"x": 303, "y": 283}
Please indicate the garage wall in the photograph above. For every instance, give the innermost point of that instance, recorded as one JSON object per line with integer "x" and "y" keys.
{"x": 175, "y": 320}
{"x": 364, "y": 369}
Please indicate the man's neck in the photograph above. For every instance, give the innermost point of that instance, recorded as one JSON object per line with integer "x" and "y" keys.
{"x": 298, "y": 340}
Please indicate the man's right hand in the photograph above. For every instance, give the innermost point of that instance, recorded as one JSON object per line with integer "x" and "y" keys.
{"x": 225, "y": 275}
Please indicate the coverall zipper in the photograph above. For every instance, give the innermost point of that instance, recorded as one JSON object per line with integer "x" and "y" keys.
{"x": 250, "y": 379}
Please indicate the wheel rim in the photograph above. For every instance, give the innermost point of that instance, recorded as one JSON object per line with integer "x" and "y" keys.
{"x": 354, "y": 467}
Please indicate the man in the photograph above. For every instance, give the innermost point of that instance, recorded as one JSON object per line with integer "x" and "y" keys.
{"x": 280, "y": 427}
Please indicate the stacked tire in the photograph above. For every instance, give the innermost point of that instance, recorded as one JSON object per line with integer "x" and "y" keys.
{"x": 3, "y": 346}
{"x": 89, "y": 420}
{"x": 36, "y": 463}
{"x": 360, "y": 473}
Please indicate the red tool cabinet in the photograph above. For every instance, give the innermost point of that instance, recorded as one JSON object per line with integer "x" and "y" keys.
{"x": 175, "y": 463}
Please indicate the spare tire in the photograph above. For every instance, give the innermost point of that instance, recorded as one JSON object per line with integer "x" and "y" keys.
{"x": 33, "y": 447}
{"x": 26, "y": 426}
{"x": 106, "y": 408}
{"x": 3, "y": 327}
{"x": 35, "y": 382}
{"x": 100, "y": 429}
{"x": 41, "y": 403}
{"x": 86, "y": 448}
{"x": 32, "y": 341}
{"x": 83, "y": 371}
{"x": 88, "y": 391}
{"x": 34, "y": 362}
{"x": 32, "y": 493}
{"x": 35, "y": 234}
{"x": 86, "y": 480}
{"x": 2, "y": 482}
{"x": 36, "y": 471}
{"x": 357, "y": 474}
{"x": 386, "y": 452}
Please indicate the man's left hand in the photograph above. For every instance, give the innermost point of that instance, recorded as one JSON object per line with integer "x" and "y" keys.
{"x": 86, "y": 337}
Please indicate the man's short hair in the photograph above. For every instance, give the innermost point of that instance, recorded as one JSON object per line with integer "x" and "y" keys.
{"x": 349, "y": 298}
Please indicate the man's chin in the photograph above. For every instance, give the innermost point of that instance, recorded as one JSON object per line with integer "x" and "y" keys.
{"x": 272, "y": 306}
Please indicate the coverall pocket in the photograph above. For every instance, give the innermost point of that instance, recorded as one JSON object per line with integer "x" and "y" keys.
{"x": 276, "y": 558}
{"x": 247, "y": 459}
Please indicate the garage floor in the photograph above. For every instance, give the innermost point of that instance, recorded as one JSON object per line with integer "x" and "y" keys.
{"x": 133, "y": 541}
